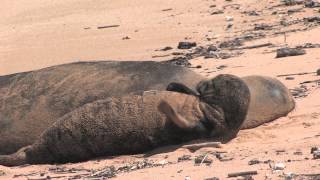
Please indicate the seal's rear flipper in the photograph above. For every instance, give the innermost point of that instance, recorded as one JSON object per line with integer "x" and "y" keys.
{"x": 16, "y": 159}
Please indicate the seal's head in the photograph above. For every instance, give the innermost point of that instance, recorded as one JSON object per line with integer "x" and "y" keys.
{"x": 230, "y": 93}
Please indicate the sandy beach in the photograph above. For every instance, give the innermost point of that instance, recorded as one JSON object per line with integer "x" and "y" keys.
{"x": 41, "y": 33}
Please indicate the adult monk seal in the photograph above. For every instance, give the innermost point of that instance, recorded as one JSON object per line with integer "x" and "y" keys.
{"x": 30, "y": 102}
{"x": 135, "y": 124}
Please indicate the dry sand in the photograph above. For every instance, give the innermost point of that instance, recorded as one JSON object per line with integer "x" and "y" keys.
{"x": 40, "y": 33}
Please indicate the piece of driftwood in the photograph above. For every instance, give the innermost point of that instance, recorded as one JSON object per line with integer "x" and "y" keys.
{"x": 243, "y": 173}
{"x": 295, "y": 74}
{"x": 305, "y": 82}
{"x": 111, "y": 26}
{"x": 286, "y": 52}
{"x": 169, "y": 9}
{"x": 197, "y": 146}
{"x": 253, "y": 46}
{"x": 160, "y": 56}
{"x": 309, "y": 174}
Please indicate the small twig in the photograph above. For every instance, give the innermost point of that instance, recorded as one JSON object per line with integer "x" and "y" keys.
{"x": 253, "y": 46}
{"x": 160, "y": 56}
{"x": 295, "y": 74}
{"x": 169, "y": 9}
{"x": 285, "y": 38}
{"x": 305, "y": 82}
{"x": 111, "y": 26}
{"x": 204, "y": 158}
{"x": 194, "y": 147}
{"x": 309, "y": 174}
{"x": 244, "y": 173}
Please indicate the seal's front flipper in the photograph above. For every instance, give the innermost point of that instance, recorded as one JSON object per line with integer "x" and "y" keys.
{"x": 181, "y": 88}
{"x": 175, "y": 117}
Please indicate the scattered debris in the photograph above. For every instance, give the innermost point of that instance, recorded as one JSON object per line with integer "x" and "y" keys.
{"x": 316, "y": 152}
{"x": 167, "y": 48}
{"x": 126, "y": 38}
{"x": 195, "y": 147}
{"x": 184, "y": 158}
{"x": 311, "y": 4}
{"x": 285, "y": 52}
{"x": 229, "y": 26}
{"x": 104, "y": 27}
{"x": 223, "y": 157}
{"x": 278, "y": 166}
{"x": 107, "y": 172}
{"x": 299, "y": 92}
{"x": 254, "y": 161}
{"x": 314, "y": 81}
{"x": 278, "y": 151}
{"x": 112, "y": 171}
{"x": 2, "y": 173}
{"x": 212, "y": 48}
{"x": 203, "y": 159}
{"x": 169, "y": 9}
{"x": 293, "y": 2}
{"x": 318, "y": 72}
{"x": 65, "y": 170}
{"x": 299, "y": 153}
{"x": 160, "y": 56}
{"x": 296, "y": 74}
{"x": 258, "y": 27}
{"x": 289, "y": 176}
{"x": 231, "y": 43}
{"x": 313, "y": 19}
{"x": 244, "y": 173}
{"x": 179, "y": 61}
{"x": 197, "y": 67}
{"x": 295, "y": 10}
{"x": 217, "y": 12}
{"x": 313, "y": 149}
{"x": 307, "y": 176}
{"x": 308, "y": 45}
{"x": 27, "y": 175}
{"x": 251, "y": 13}
{"x": 229, "y": 18}
{"x": 254, "y": 46}
{"x": 186, "y": 45}
{"x": 221, "y": 67}
{"x": 212, "y": 178}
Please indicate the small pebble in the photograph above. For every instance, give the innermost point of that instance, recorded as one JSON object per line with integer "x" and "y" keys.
{"x": 279, "y": 166}
{"x": 316, "y": 154}
{"x": 229, "y": 18}
{"x": 186, "y": 45}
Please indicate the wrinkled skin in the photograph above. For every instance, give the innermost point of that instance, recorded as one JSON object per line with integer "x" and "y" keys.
{"x": 134, "y": 124}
